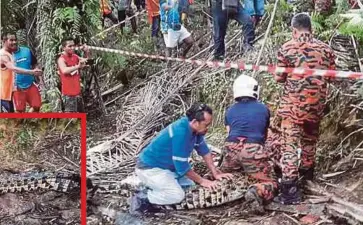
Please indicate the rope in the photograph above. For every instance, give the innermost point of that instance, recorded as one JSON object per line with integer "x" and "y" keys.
{"x": 118, "y": 24}
{"x": 240, "y": 65}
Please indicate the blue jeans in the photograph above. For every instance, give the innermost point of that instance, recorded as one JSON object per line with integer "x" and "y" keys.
{"x": 6, "y": 106}
{"x": 254, "y": 7}
{"x": 183, "y": 6}
{"x": 220, "y": 24}
{"x": 155, "y": 27}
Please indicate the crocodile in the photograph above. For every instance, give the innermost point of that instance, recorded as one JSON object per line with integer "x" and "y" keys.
{"x": 196, "y": 197}
{"x": 57, "y": 181}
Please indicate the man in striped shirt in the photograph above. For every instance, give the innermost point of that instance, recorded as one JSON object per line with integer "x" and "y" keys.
{"x": 163, "y": 165}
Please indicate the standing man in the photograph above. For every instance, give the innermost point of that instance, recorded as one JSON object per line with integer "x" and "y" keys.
{"x": 222, "y": 11}
{"x": 301, "y": 107}
{"x": 247, "y": 123}
{"x": 7, "y": 75}
{"x": 69, "y": 65}
{"x": 153, "y": 14}
{"x": 26, "y": 90}
{"x": 163, "y": 165}
{"x": 176, "y": 32}
{"x": 125, "y": 9}
{"x": 106, "y": 12}
{"x": 184, "y": 10}
{"x": 256, "y": 9}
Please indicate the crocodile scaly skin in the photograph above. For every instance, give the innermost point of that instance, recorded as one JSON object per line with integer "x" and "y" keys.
{"x": 62, "y": 182}
{"x": 196, "y": 197}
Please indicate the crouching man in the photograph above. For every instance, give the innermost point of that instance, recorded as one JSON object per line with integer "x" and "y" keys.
{"x": 247, "y": 122}
{"x": 163, "y": 165}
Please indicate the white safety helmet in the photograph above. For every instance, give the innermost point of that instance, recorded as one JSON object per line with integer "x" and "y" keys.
{"x": 246, "y": 86}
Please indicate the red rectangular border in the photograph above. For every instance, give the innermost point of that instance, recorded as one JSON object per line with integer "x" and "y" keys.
{"x": 81, "y": 116}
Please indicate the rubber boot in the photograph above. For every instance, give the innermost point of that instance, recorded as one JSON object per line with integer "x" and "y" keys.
{"x": 140, "y": 204}
{"x": 156, "y": 44}
{"x": 306, "y": 174}
{"x": 168, "y": 53}
{"x": 219, "y": 58}
{"x": 278, "y": 171}
{"x": 186, "y": 49}
{"x": 253, "y": 18}
{"x": 246, "y": 47}
{"x": 255, "y": 202}
{"x": 289, "y": 193}
{"x": 257, "y": 20}
{"x": 134, "y": 25}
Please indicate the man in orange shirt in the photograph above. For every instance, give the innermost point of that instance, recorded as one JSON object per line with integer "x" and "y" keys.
{"x": 106, "y": 11}
{"x": 153, "y": 14}
{"x": 69, "y": 65}
{"x": 7, "y": 71}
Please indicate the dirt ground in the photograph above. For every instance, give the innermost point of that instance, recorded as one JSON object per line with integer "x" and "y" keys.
{"x": 347, "y": 186}
{"x": 36, "y": 146}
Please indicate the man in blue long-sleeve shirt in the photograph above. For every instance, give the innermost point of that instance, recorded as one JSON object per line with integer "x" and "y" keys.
{"x": 163, "y": 165}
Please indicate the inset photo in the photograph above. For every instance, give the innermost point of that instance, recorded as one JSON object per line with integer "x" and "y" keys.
{"x": 40, "y": 181}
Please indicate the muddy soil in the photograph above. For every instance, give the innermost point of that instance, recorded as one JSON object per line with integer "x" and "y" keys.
{"x": 236, "y": 213}
{"x": 48, "y": 207}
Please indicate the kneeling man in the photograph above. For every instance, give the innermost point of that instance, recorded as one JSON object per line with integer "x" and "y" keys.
{"x": 163, "y": 165}
{"x": 247, "y": 121}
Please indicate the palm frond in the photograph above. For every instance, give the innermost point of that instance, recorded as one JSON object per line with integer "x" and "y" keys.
{"x": 342, "y": 6}
{"x": 354, "y": 25}
{"x": 317, "y": 21}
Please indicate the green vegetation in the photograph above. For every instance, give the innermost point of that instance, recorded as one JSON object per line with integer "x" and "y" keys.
{"x": 18, "y": 137}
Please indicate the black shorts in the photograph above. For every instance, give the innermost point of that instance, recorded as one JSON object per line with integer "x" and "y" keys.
{"x": 6, "y": 106}
{"x": 73, "y": 104}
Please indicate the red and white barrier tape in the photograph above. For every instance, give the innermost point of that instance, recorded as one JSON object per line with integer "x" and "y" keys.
{"x": 242, "y": 66}
{"x": 123, "y": 21}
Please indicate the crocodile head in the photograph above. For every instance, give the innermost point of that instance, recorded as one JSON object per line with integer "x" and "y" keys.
{"x": 200, "y": 197}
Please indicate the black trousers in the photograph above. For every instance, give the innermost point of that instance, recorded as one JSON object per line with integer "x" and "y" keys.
{"x": 122, "y": 16}
{"x": 111, "y": 16}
